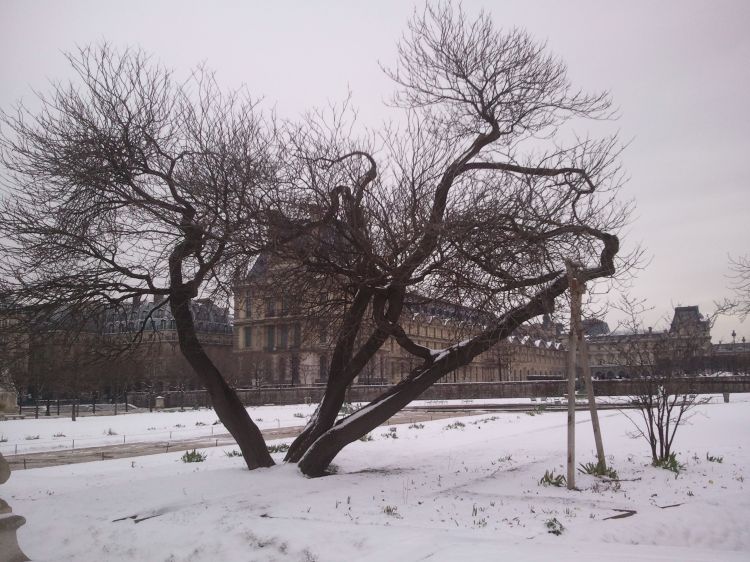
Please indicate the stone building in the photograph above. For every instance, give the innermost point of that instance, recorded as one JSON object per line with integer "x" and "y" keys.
{"x": 623, "y": 355}
{"x": 156, "y": 362}
{"x": 277, "y": 344}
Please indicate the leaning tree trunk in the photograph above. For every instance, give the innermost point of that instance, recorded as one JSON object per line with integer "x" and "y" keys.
{"x": 227, "y": 404}
{"x": 320, "y": 454}
{"x": 317, "y": 458}
{"x": 342, "y": 371}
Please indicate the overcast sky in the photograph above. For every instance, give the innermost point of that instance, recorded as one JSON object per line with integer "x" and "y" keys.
{"x": 678, "y": 71}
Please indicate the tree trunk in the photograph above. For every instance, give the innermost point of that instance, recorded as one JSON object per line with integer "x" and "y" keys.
{"x": 343, "y": 370}
{"x": 320, "y": 454}
{"x": 227, "y": 404}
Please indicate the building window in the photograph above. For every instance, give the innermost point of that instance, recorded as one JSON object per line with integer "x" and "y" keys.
{"x": 296, "y": 336}
{"x": 248, "y": 334}
{"x": 283, "y": 336}
{"x": 270, "y": 308}
{"x": 295, "y": 369}
{"x": 270, "y": 338}
{"x": 323, "y": 366}
{"x": 248, "y": 305}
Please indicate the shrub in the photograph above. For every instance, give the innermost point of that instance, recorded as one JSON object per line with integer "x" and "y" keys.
{"x": 110, "y": 431}
{"x": 711, "y": 458}
{"x": 299, "y": 415}
{"x": 391, "y": 510}
{"x": 280, "y": 448}
{"x": 199, "y": 423}
{"x": 598, "y": 469}
{"x": 391, "y": 433}
{"x": 554, "y": 526}
{"x": 552, "y": 479}
{"x": 416, "y": 426}
{"x": 193, "y": 456}
{"x": 31, "y": 437}
{"x": 55, "y": 435}
{"x": 485, "y": 420}
{"x": 669, "y": 462}
{"x": 3, "y": 439}
{"x": 367, "y": 437}
{"x": 455, "y": 425}
{"x": 233, "y": 453}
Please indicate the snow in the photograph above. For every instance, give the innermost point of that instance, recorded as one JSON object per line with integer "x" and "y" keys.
{"x": 434, "y": 493}
{"x": 170, "y": 425}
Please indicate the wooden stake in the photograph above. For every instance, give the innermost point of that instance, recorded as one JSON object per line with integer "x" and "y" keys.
{"x": 575, "y": 310}
{"x": 592, "y": 400}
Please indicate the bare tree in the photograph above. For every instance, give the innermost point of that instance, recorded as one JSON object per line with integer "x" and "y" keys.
{"x": 465, "y": 203}
{"x": 132, "y": 185}
{"x": 659, "y": 365}
{"x": 126, "y": 183}
{"x": 741, "y": 283}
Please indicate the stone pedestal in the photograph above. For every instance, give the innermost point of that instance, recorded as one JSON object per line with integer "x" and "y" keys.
{"x": 9, "y": 524}
{"x": 159, "y": 402}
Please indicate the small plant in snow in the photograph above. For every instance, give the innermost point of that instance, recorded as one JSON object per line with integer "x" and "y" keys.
{"x": 31, "y": 437}
{"x": 299, "y": 415}
{"x": 455, "y": 425}
{"x": 110, "y": 431}
{"x": 598, "y": 469}
{"x": 280, "y": 448}
{"x": 391, "y": 510}
{"x": 554, "y": 526}
{"x": 346, "y": 409}
{"x": 257, "y": 420}
{"x": 367, "y": 437}
{"x": 552, "y": 479}
{"x": 485, "y": 420}
{"x": 391, "y": 433}
{"x": 179, "y": 425}
{"x": 670, "y": 462}
{"x": 3, "y": 439}
{"x": 216, "y": 422}
{"x": 711, "y": 458}
{"x": 59, "y": 435}
{"x": 199, "y": 423}
{"x": 193, "y": 456}
{"x": 233, "y": 453}
{"x": 416, "y": 426}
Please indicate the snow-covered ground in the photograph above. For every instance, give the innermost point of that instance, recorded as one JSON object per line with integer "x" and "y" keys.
{"x": 49, "y": 434}
{"x": 438, "y": 492}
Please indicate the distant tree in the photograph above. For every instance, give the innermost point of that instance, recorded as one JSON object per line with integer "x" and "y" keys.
{"x": 660, "y": 366}
{"x": 741, "y": 283}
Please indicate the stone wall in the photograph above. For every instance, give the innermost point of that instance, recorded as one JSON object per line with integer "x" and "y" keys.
{"x": 448, "y": 391}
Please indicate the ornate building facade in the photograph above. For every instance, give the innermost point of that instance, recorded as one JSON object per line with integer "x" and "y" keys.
{"x": 277, "y": 345}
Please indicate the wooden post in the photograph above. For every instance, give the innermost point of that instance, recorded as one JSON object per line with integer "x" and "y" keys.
{"x": 575, "y": 309}
{"x": 586, "y": 371}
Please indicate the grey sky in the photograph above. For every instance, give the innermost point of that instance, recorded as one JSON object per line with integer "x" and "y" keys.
{"x": 679, "y": 71}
